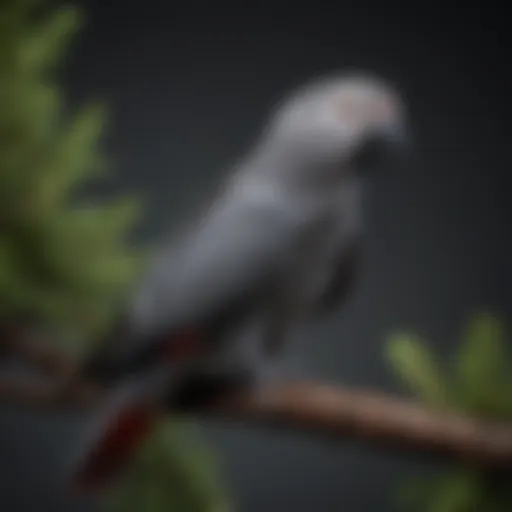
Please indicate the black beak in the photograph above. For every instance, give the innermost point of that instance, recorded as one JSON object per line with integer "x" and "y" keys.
{"x": 397, "y": 139}
{"x": 383, "y": 146}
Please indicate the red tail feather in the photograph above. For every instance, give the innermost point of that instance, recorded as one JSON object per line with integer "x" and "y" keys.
{"x": 115, "y": 447}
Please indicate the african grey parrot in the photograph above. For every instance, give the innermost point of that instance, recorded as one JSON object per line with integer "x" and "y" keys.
{"x": 277, "y": 247}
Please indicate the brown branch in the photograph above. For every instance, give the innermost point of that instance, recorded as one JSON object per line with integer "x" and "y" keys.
{"x": 24, "y": 345}
{"x": 58, "y": 389}
{"x": 373, "y": 416}
{"x": 304, "y": 406}
{"x": 48, "y": 394}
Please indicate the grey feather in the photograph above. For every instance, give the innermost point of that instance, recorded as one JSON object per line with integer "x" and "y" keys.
{"x": 238, "y": 245}
{"x": 285, "y": 230}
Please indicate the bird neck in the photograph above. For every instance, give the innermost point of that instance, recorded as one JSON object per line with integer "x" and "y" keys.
{"x": 273, "y": 165}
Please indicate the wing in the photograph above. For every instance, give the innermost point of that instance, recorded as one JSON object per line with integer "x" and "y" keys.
{"x": 348, "y": 235}
{"x": 233, "y": 253}
{"x": 345, "y": 273}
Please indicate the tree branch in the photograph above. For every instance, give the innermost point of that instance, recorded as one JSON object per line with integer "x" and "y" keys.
{"x": 373, "y": 416}
{"x": 304, "y": 406}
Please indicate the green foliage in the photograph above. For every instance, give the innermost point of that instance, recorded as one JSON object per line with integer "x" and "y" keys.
{"x": 458, "y": 491}
{"x": 173, "y": 471}
{"x": 478, "y": 382}
{"x": 64, "y": 264}
{"x": 461, "y": 490}
{"x": 61, "y": 263}
{"x": 417, "y": 366}
{"x": 483, "y": 370}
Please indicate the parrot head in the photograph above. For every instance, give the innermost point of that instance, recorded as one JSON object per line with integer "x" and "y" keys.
{"x": 352, "y": 123}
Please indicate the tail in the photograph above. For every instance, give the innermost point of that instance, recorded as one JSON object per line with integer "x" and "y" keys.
{"x": 112, "y": 442}
{"x": 130, "y": 415}
{"x": 128, "y": 420}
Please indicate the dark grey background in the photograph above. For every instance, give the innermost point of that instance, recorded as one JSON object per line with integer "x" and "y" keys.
{"x": 189, "y": 87}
